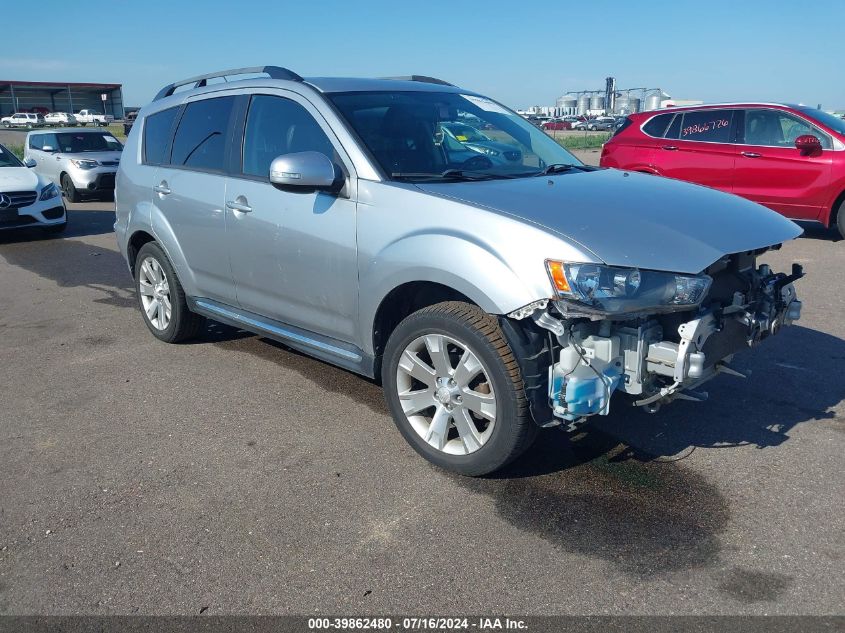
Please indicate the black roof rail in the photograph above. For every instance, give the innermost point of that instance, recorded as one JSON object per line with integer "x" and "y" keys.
{"x": 422, "y": 78}
{"x": 274, "y": 72}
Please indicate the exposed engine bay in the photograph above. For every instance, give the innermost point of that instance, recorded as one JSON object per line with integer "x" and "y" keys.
{"x": 656, "y": 358}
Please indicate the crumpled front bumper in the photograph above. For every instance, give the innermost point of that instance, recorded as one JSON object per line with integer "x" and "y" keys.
{"x": 654, "y": 365}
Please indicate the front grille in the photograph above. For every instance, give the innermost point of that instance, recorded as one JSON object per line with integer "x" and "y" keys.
{"x": 109, "y": 163}
{"x": 21, "y": 198}
{"x": 9, "y": 219}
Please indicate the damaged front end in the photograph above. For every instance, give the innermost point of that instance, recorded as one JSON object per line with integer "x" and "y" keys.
{"x": 653, "y": 336}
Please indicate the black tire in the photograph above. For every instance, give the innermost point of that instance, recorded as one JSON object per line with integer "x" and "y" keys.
{"x": 56, "y": 228}
{"x": 69, "y": 189}
{"x": 514, "y": 430}
{"x": 184, "y": 324}
{"x": 840, "y": 220}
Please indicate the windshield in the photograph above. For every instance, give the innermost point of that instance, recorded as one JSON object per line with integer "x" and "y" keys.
{"x": 79, "y": 142}
{"x": 833, "y": 122}
{"x": 424, "y": 134}
{"x": 7, "y": 159}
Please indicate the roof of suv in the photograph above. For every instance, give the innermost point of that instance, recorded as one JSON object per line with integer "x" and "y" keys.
{"x": 361, "y": 84}
{"x": 707, "y": 106}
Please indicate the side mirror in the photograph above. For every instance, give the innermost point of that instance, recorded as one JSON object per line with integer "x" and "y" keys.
{"x": 310, "y": 171}
{"x": 48, "y": 148}
{"x": 808, "y": 144}
{"x": 29, "y": 162}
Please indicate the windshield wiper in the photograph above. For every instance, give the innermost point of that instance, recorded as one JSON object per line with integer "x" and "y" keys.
{"x": 451, "y": 174}
{"x": 556, "y": 168}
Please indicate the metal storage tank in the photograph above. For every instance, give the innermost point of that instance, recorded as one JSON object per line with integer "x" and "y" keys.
{"x": 567, "y": 104}
{"x": 633, "y": 105}
{"x": 583, "y": 104}
{"x": 653, "y": 99}
{"x": 597, "y": 103}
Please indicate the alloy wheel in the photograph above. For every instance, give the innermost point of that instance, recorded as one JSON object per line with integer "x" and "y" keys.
{"x": 155, "y": 293}
{"x": 446, "y": 394}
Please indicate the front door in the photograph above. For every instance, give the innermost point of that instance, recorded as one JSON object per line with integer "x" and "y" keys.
{"x": 293, "y": 254}
{"x": 698, "y": 147}
{"x": 770, "y": 170}
{"x": 46, "y": 162}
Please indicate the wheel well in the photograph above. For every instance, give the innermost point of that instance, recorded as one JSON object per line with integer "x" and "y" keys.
{"x": 403, "y": 301}
{"x": 138, "y": 239}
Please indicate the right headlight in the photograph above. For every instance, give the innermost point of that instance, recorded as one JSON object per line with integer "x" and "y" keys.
{"x": 621, "y": 290}
{"x": 83, "y": 163}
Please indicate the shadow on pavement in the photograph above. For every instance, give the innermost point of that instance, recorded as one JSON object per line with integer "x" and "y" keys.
{"x": 80, "y": 224}
{"x": 816, "y": 231}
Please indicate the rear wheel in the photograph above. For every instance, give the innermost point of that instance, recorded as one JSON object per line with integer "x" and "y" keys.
{"x": 162, "y": 298}
{"x": 455, "y": 390}
{"x": 69, "y": 189}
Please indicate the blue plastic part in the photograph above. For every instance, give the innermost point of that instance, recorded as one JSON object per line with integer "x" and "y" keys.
{"x": 585, "y": 394}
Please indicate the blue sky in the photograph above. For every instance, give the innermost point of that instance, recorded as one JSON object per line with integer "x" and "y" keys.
{"x": 520, "y": 53}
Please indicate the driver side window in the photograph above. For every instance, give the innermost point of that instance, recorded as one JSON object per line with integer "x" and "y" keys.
{"x": 774, "y": 128}
{"x": 277, "y": 126}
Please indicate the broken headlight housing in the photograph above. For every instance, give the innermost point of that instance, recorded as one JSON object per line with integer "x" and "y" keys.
{"x": 611, "y": 289}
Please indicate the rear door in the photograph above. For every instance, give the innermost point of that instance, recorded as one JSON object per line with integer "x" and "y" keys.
{"x": 190, "y": 192}
{"x": 771, "y": 171}
{"x": 698, "y": 146}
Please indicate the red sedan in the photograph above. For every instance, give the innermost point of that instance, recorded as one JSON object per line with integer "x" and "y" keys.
{"x": 790, "y": 158}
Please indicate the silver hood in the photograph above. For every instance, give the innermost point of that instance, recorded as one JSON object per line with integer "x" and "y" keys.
{"x": 631, "y": 219}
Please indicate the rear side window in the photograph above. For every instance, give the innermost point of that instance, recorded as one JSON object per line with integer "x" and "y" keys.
{"x": 200, "y": 140}
{"x": 657, "y": 126}
{"x": 711, "y": 126}
{"x": 277, "y": 126}
{"x": 156, "y": 135}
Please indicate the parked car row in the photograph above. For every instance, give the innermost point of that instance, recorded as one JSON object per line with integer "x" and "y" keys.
{"x": 580, "y": 122}
{"x": 790, "y": 158}
{"x": 32, "y": 120}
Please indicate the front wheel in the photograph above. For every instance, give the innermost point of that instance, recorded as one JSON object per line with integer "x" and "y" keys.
{"x": 455, "y": 390}
{"x": 840, "y": 220}
{"x": 69, "y": 189}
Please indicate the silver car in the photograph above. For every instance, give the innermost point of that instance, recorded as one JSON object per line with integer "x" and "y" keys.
{"x": 81, "y": 162}
{"x": 490, "y": 299}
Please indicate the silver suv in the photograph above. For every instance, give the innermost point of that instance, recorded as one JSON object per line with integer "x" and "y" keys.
{"x": 490, "y": 297}
{"x": 81, "y": 162}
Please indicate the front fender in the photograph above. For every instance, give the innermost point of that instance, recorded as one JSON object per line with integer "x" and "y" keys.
{"x": 456, "y": 260}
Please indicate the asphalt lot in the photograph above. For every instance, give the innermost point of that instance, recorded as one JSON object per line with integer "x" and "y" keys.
{"x": 232, "y": 475}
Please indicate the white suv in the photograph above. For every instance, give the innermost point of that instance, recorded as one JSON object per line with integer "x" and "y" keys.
{"x": 23, "y": 119}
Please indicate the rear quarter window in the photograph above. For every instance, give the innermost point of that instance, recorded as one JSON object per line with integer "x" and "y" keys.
{"x": 657, "y": 126}
{"x": 157, "y": 129}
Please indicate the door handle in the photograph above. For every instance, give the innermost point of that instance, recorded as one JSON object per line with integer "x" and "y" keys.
{"x": 236, "y": 205}
{"x": 670, "y": 148}
{"x": 751, "y": 154}
{"x": 162, "y": 188}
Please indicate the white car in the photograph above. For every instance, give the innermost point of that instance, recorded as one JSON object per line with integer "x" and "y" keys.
{"x": 22, "y": 119}
{"x": 27, "y": 199}
{"x": 60, "y": 118}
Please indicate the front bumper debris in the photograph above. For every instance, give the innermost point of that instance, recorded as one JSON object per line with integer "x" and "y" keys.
{"x": 654, "y": 359}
